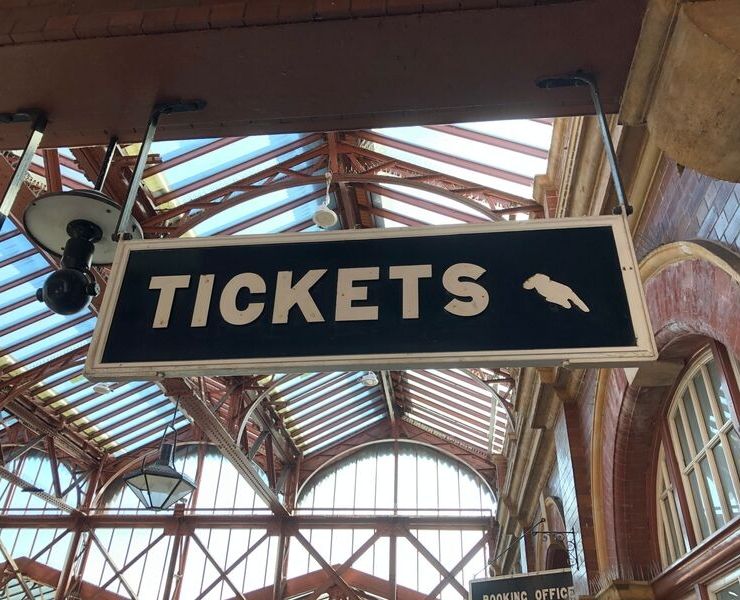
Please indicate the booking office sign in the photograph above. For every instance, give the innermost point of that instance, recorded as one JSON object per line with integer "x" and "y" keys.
{"x": 542, "y": 585}
{"x": 532, "y": 293}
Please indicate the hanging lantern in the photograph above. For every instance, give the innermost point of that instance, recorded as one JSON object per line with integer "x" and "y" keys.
{"x": 159, "y": 485}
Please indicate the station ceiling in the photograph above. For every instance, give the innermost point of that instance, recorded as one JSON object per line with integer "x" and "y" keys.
{"x": 402, "y": 177}
{"x": 309, "y": 66}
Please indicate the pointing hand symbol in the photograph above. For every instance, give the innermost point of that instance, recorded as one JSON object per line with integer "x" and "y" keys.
{"x": 554, "y": 292}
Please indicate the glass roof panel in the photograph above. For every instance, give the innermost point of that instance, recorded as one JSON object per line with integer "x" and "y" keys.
{"x": 260, "y": 206}
{"x": 207, "y": 174}
{"x": 427, "y": 217}
{"x": 149, "y": 439}
{"x": 374, "y": 418}
{"x": 319, "y": 409}
{"x": 531, "y": 133}
{"x": 310, "y": 444}
{"x": 497, "y": 183}
{"x": 170, "y": 149}
{"x": 58, "y": 338}
{"x": 476, "y": 152}
{"x": 19, "y": 268}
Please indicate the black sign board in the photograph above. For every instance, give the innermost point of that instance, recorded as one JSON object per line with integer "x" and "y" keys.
{"x": 529, "y": 293}
{"x": 545, "y": 585}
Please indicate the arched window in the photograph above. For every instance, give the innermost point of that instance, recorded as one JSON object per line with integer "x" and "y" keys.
{"x": 41, "y": 545}
{"x": 704, "y": 450}
{"x": 672, "y": 537}
{"x": 421, "y": 481}
{"x": 221, "y": 491}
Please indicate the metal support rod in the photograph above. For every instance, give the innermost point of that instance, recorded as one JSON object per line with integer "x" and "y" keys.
{"x": 21, "y": 168}
{"x": 65, "y": 577}
{"x": 167, "y": 594}
{"x": 105, "y": 166}
{"x": 66, "y": 574}
{"x": 10, "y": 562}
{"x": 124, "y": 219}
{"x": 568, "y": 539}
{"x": 341, "y": 569}
{"x": 386, "y": 384}
{"x": 447, "y": 579}
{"x": 214, "y": 563}
{"x": 328, "y": 569}
{"x": 233, "y": 566}
{"x": 255, "y": 447}
{"x": 581, "y": 78}
{"x": 526, "y": 532}
{"x": 131, "y": 562}
{"x": 132, "y": 594}
{"x": 52, "y": 452}
{"x": 431, "y": 559}
{"x": 20, "y": 451}
{"x": 392, "y": 565}
{"x": 277, "y": 586}
{"x": 606, "y": 137}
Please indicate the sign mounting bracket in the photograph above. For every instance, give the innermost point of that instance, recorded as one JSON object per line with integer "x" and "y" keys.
{"x": 124, "y": 219}
{"x": 581, "y": 78}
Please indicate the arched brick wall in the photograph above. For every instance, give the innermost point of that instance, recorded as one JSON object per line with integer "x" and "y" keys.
{"x": 692, "y": 296}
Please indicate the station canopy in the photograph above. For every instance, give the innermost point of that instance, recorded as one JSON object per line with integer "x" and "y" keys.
{"x": 399, "y": 177}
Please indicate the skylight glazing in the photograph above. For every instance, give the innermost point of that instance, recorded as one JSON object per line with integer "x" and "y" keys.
{"x": 270, "y": 184}
{"x": 420, "y": 482}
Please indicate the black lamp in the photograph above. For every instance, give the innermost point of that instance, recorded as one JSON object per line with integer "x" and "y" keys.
{"x": 93, "y": 222}
{"x": 159, "y": 485}
{"x": 70, "y": 289}
{"x": 77, "y": 225}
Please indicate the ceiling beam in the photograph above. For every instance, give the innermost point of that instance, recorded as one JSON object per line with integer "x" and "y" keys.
{"x": 386, "y": 383}
{"x": 393, "y": 69}
{"x": 347, "y": 200}
{"x": 30, "y": 488}
{"x": 214, "y": 429}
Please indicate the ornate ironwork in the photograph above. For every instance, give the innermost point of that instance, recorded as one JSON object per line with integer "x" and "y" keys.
{"x": 567, "y": 539}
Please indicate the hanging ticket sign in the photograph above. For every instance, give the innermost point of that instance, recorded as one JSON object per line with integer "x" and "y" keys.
{"x": 544, "y": 585}
{"x": 534, "y": 293}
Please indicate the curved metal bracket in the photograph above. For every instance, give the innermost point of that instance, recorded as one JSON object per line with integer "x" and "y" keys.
{"x": 580, "y": 78}
{"x": 567, "y": 539}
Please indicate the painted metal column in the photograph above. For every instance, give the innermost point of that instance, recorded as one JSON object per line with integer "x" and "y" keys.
{"x": 65, "y": 577}
{"x": 166, "y": 595}
{"x": 277, "y": 587}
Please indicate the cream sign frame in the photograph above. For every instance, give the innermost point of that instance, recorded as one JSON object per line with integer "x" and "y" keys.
{"x": 444, "y": 276}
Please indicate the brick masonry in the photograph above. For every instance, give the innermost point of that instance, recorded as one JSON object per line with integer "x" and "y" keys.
{"x": 689, "y": 205}
{"x": 690, "y": 299}
{"x": 572, "y": 442}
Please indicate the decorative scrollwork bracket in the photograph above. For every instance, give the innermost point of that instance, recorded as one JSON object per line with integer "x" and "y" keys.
{"x": 568, "y": 539}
